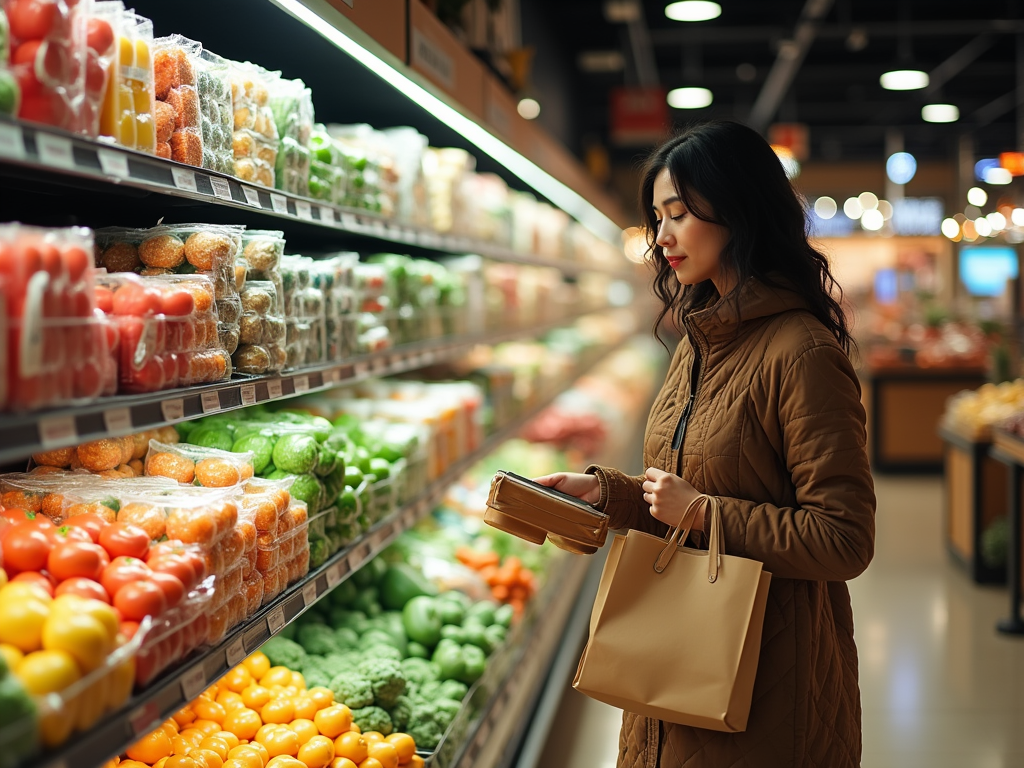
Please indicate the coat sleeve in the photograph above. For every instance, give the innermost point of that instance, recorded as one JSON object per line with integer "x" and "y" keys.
{"x": 829, "y": 535}
{"x": 622, "y": 497}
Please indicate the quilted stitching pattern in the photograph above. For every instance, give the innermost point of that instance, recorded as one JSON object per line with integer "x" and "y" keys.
{"x": 805, "y": 711}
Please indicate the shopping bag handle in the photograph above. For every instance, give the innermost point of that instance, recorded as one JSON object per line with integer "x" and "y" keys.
{"x": 713, "y": 507}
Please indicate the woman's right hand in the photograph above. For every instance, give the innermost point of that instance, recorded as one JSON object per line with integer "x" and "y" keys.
{"x": 584, "y": 487}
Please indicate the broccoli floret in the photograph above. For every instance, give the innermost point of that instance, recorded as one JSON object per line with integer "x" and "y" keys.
{"x": 283, "y": 652}
{"x": 448, "y": 708}
{"x": 352, "y": 690}
{"x": 336, "y": 663}
{"x": 341, "y": 617}
{"x": 427, "y": 725}
{"x": 373, "y": 719}
{"x": 450, "y": 689}
{"x": 419, "y": 670}
{"x": 347, "y": 638}
{"x": 382, "y": 652}
{"x": 401, "y": 712}
{"x": 387, "y": 679}
{"x": 315, "y": 677}
{"x": 318, "y": 638}
{"x": 428, "y": 691}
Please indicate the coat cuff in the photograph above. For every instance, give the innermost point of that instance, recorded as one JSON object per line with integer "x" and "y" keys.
{"x": 621, "y": 496}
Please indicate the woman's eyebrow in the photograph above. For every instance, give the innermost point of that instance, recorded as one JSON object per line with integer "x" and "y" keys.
{"x": 668, "y": 202}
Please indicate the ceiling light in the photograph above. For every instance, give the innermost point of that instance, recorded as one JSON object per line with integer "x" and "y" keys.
{"x": 940, "y": 113}
{"x": 531, "y": 174}
{"x": 950, "y": 228}
{"x": 528, "y": 109}
{"x": 970, "y": 232}
{"x": 977, "y": 196}
{"x": 886, "y": 209}
{"x": 601, "y": 61}
{"x": 982, "y": 166}
{"x": 689, "y": 98}
{"x": 982, "y": 227}
{"x": 872, "y": 220}
{"x": 904, "y": 80}
{"x": 998, "y": 176}
{"x": 825, "y": 207}
{"x": 900, "y": 167}
{"x": 1017, "y": 217}
{"x": 868, "y": 201}
{"x": 852, "y": 208}
{"x": 693, "y": 10}
{"x": 997, "y": 220}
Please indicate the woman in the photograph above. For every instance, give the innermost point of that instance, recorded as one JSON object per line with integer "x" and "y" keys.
{"x": 761, "y": 408}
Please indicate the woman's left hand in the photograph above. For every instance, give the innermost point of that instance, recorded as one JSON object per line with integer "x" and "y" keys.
{"x": 668, "y": 496}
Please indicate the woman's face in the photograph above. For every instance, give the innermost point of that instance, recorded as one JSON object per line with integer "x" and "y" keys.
{"x": 692, "y": 246}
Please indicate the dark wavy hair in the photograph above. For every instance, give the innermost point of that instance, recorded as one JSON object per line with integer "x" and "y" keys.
{"x": 727, "y": 174}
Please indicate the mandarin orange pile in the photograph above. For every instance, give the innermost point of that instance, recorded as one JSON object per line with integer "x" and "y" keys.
{"x": 259, "y": 716}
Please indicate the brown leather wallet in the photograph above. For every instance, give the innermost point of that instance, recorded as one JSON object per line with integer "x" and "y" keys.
{"x": 535, "y": 512}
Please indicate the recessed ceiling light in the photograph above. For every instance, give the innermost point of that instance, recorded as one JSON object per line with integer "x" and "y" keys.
{"x": 529, "y": 109}
{"x": 977, "y": 196}
{"x": 940, "y": 113}
{"x": 998, "y": 176}
{"x": 825, "y": 207}
{"x": 689, "y": 98}
{"x": 693, "y": 10}
{"x": 900, "y": 167}
{"x": 872, "y": 220}
{"x": 904, "y": 80}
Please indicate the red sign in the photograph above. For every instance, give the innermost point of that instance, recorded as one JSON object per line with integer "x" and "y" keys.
{"x": 639, "y": 116}
{"x": 792, "y": 136}
{"x": 1013, "y": 162}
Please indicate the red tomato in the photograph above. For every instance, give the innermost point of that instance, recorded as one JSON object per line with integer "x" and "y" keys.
{"x": 176, "y": 565}
{"x": 90, "y": 522}
{"x": 95, "y": 76}
{"x": 26, "y": 547}
{"x": 51, "y": 259}
{"x": 98, "y": 35}
{"x": 121, "y": 571}
{"x": 138, "y": 599}
{"x": 76, "y": 260}
{"x": 169, "y": 366}
{"x": 129, "y": 628}
{"x": 83, "y": 587}
{"x": 77, "y": 558}
{"x": 35, "y": 577}
{"x": 28, "y": 82}
{"x": 4, "y": 525}
{"x": 171, "y": 586}
{"x": 39, "y": 108}
{"x": 31, "y": 19}
{"x": 125, "y": 539}
{"x": 25, "y": 53}
{"x": 135, "y": 300}
{"x": 68, "y": 533}
{"x": 149, "y": 378}
{"x": 104, "y": 298}
{"x": 18, "y": 515}
{"x": 178, "y": 303}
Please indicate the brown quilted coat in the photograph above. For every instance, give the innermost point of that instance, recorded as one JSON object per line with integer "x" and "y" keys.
{"x": 777, "y": 433}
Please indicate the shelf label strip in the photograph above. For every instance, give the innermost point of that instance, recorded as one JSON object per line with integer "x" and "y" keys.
{"x": 235, "y": 652}
{"x": 12, "y": 142}
{"x": 113, "y": 163}
{"x": 274, "y": 390}
{"x": 210, "y": 401}
{"x": 252, "y": 197}
{"x": 55, "y": 151}
{"x": 221, "y": 188}
{"x": 248, "y": 393}
{"x": 118, "y": 420}
{"x": 193, "y": 682}
{"x": 184, "y": 179}
{"x": 57, "y": 430}
{"x": 275, "y": 620}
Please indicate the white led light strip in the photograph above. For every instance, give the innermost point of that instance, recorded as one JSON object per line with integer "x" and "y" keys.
{"x": 558, "y": 193}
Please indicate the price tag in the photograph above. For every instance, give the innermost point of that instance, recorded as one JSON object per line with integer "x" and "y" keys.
{"x": 366, "y": 551}
{"x": 184, "y": 179}
{"x": 57, "y": 430}
{"x": 309, "y": 594}
{"x": 252, "y": 197}
{"x": 118, "y": 420}
{"x": 211, "y": 401}
{"x": 235, "y": 652}
{"x": 221, "y": 188}
{"x": 279, "y": 203}
{"x": 55, "y": 151}
{"x": 275, "y": 620}
{"x": 248, "y": 392}
{"x": 301, "y": 383}
{"x": 193, "y": 682}
{"x": 274, "y": 389}
{"x": 362, "y": 368}
{"x": 378, "y": 228}
{"x": 380, "y": 364}
{"x": 429, "y": 357}
{"x": 12, "y": 143}
{"x": 173, "y": 410}
{"x": 303, "y": 210}
{"x": 349, "y": 221}
{"x": 113, "y": 163}
{"x": 334, "y": 574}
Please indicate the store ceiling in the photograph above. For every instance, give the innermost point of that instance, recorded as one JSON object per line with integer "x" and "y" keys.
{"x": 973, "y": 52}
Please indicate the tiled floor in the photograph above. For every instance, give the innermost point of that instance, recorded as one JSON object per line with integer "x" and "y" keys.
{"x": 940, "y": 688}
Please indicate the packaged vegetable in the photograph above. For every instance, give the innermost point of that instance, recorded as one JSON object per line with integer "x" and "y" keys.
{"x": 216, "y": 118}
{"x": 193, "y": 464}
{"x": 128, "y": 113}
{"x": 178, "y": 109}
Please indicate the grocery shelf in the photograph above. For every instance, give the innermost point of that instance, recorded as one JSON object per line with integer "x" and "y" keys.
{"x": 24, "y": 434}
{"x": 63, "y": 158}
{"x": 146, "y": 710}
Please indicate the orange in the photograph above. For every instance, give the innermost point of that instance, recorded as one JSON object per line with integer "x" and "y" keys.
{"x": 237, "y": 679}
{"x": 217, "y": 745}
{"x": 150, "y": 747}
{"x": 351, "y": 745}
{"x": 207, "y": 758}
{"x": 318, "y": 752}
{"x": 276, "y": 676}
{"x": 372, "y": 737}
{"x": 244, "y": 723}
{"x": 232, "y": 763}
{"x": 417, "y": 762}
{"x": 209, "y": 727}
{"x": 261, "y": 750}
{"x": 277, "y": 691}
{"x": 322, "y": 697}
{"x": 371, "y": 762}
{"x": 216, "y": 473}
{"x": 278, "y": 711}
{"x": 181, "y": 746}
{"x": 305, "y": 707}
{"x": 282, "y": 741}
{"x": 247, "y": 756}
{"x": 258, "y": 664}
{"x": 170, "y": 728}
{"x": 211, "y": 692}
{"x": 193, "y": 735}
{"x": 162, "y": 761}
{"x": 229, "y": 737}
{"x": 184, "y": 716}
{"x": 285, "y": 761}
{"x": 291, "y": 690}
{"x": 355, "y": 727}
{"x": 385, "y": 753}
{"x": 334, "y": 720}
{"x": 209, "y": 710}
{"x": 230, "y": 700}
{"x": 255, "y": 696}
{"x": 180, "y": 761}
{"x": 343, "y": 762}
{"x": 264, "y": 732}
{"x": 298, "y": 681}
{"x": 131, "y": 764}
{"x": 404, "y": 745}
{"x": 305, "y": 728}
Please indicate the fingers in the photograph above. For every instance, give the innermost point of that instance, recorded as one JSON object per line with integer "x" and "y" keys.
{"x": 653, "y": 474}
{"x": 549, "y": 480}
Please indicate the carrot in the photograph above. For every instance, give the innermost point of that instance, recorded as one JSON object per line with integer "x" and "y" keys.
{"x": 500, "y": 592}
{"x": 519, "y": 592}
{"x": 489, "y": 573}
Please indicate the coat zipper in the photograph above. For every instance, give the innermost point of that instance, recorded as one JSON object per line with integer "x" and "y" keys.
{"x": 684, "y": 418}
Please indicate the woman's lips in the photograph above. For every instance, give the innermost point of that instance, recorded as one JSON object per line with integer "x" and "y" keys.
{"x": 675, "y": 261}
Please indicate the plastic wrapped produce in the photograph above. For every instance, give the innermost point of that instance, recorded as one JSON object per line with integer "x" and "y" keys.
{"x": 100, "y": 50}
{"x": 304, "y": 312}
{"x": 262, "y": 329}
{"x": 262, "y": 251}
{"x": 292, "y": 105}
{"x": 193, "y": 464}
{"x": 10, "y": 91}
{"x": 128, "y": 114}
{"x": 216, "y": 115}
{"x": 178, "y": 110}
{"x": 57, "y": 348}
{"x": 255, "y": 138}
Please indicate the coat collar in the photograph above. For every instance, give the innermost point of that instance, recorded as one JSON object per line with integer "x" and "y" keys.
{"x": 720, "y": 320}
